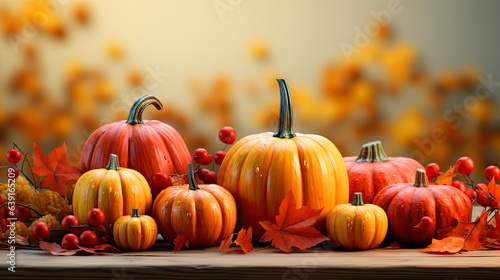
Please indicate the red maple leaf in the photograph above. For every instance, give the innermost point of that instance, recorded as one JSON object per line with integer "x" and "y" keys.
{"x": 494, "y": 189}
{"x": 447, "y": 177}
{"x": 224, "y": 245}
{"x": 478, "y": 233}
{"x": 448, "y": 245}
{"x": 293, "y": 226}
{"x": 55, "y": 168}
{"x": 244, "y": 240}
{"x": 179, "y": 241}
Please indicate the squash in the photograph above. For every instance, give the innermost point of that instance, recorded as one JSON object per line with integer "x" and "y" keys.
{"x": 135, "y": 232}
{"x": 149, "y": 147}
{"x": 419, "y": 212}
{"x": 259, "y": 170}
{"x": 114, "y": 190}
{"x": 204, "y": 214}
{"x": 357, "y": 226}
{"x": 372, "y": 171}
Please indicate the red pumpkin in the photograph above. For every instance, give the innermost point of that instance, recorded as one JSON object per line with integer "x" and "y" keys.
{"x": 372, "y": 171}
{"x": 419, "y": 212}
{"x": 149, "y": 147}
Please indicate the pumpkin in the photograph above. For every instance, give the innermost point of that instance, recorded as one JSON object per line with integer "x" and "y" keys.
{"x": 357, "y": 226}
{"x": 372, "y": 171}
{"x": 204, "y": 214}
{"x": 419, "y": 212}
{"x": 149, "y": 147}
{"x": 114, "y": 190}
{"x": 135, "y": 232}
{"x": 259, "y": 170}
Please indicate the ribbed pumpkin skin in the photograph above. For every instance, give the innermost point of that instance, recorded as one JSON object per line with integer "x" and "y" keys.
{"x": 146, "y": 146}
{"x": 259, "y": 170}
{"x": 357, "y": 227}
{"x": 205, "y": 216}
{"x": 135, "y": 233}
{"x": 370, "y": 177}
{"x": 116, "y": 193}
{"x": 406, "y": 204}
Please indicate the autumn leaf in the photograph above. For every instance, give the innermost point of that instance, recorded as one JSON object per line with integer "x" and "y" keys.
{"x": 293, "y": 226}
{"x": 446, "y": 178}
{"x": 394, "y": 245}
{"x": 494, "y": 189}
{"x": 448, "y": 245}
{"x": 244, "y": 240}
{"x": 224, "y": 245}
{"x": 493, "y": 231}
{"x": 478, "y": 234}
{"x": 179, "y": 241}
{"x": 56, "y": 249}
{"x": 55, "y": 168}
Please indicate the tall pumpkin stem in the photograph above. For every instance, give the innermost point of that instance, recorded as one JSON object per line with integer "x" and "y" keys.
{"x": 358, "y": 199}
{"x": 285, "y": 123}
{"x": 192, "y": 182}
{"x": 114, "y": 163}
{"x": 420, "y": 179}
{"x": 372, "y": 152}
{"x": 135, "y": 115}
{"x": 135, "y": 213}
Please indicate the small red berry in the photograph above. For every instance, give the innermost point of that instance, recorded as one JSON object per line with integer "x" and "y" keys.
{"x": 202, "y": 173}
{"x": 211, "y": 178}
{"x": 3, "y": 210}
{"x": 202, "y": 156}
{"x": 69, "y": 221}
{"x": 227, "y": 135}
{"x": 40, "y": 230}
{"x": 88, "y": 239}
{"x": 465, "y": 165}
{"x": 14, "y": 156}
{"x": 98, "y": 233}
{"x": 3, "y": 225}
{"x": 161, "y": 180}
{"x": 432, "y": 170}
{"x": 14, "y": 171}
{"x": 22, "y": 213}
{"x": 492, "y": 172}
{"x": 459, "y": 185}
{"x": 483, "y": 197}
{"x": 95, "y": 217}
{"x": 219, "y": 157}
{"x": 70, "y": 242}
{"x": 471, "y": 193}
{"x": 103, "y": 239}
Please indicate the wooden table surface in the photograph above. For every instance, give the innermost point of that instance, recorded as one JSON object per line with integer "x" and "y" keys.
{"x": 262, "y": 262}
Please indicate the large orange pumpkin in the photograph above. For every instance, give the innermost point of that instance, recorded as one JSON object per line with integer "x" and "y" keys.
{"x": 373, "y": 170}
{"x": 419, "y": 212}
{"x": 204, "y": 214}
{"x": 146, "y": 146}
{"x": 259, "y": 170}
{"x": 114, "y": 190}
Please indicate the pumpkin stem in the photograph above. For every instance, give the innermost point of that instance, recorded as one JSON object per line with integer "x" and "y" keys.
{"x": 114, "y": 163}
{"x": 372, "y": 152}
{"x": 135, "y": 213}
{"x": 135, "y": 115}
{"x": 420, "y": 178}
{"x": 192, "y": 182}
{"x": 285, "y": 122}
{"x": 358, "y": 199}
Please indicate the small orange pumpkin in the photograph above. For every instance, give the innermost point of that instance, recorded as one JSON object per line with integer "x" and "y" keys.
{"x": 204, "y": 214}
{"x": 135, "y": 232}
{"x": 114, "y": 190}
{"x": 357, "y": 226}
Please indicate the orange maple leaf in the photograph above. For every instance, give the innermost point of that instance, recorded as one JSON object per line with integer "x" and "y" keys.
{"x": 478, "y": 234}
{"x": 448, "y": 245}
{"x": 224, "y": 245}
{"x": 55, "y": 168}
{"x": 293, "y": 226}
{"x": 244, "y": 240}
{"x": 447, "y": 177}
{"x": 179, "y": 241}
{"x": 494, "y": 228}
{"x": 494, "y": 189}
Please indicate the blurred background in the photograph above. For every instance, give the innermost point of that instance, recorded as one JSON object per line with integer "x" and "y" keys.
{"x": 418, "y": 75}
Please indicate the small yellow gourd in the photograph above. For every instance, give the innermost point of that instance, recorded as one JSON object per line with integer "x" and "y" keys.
{"x": 357, "y": 226}
{"x": 135, "y": 232}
